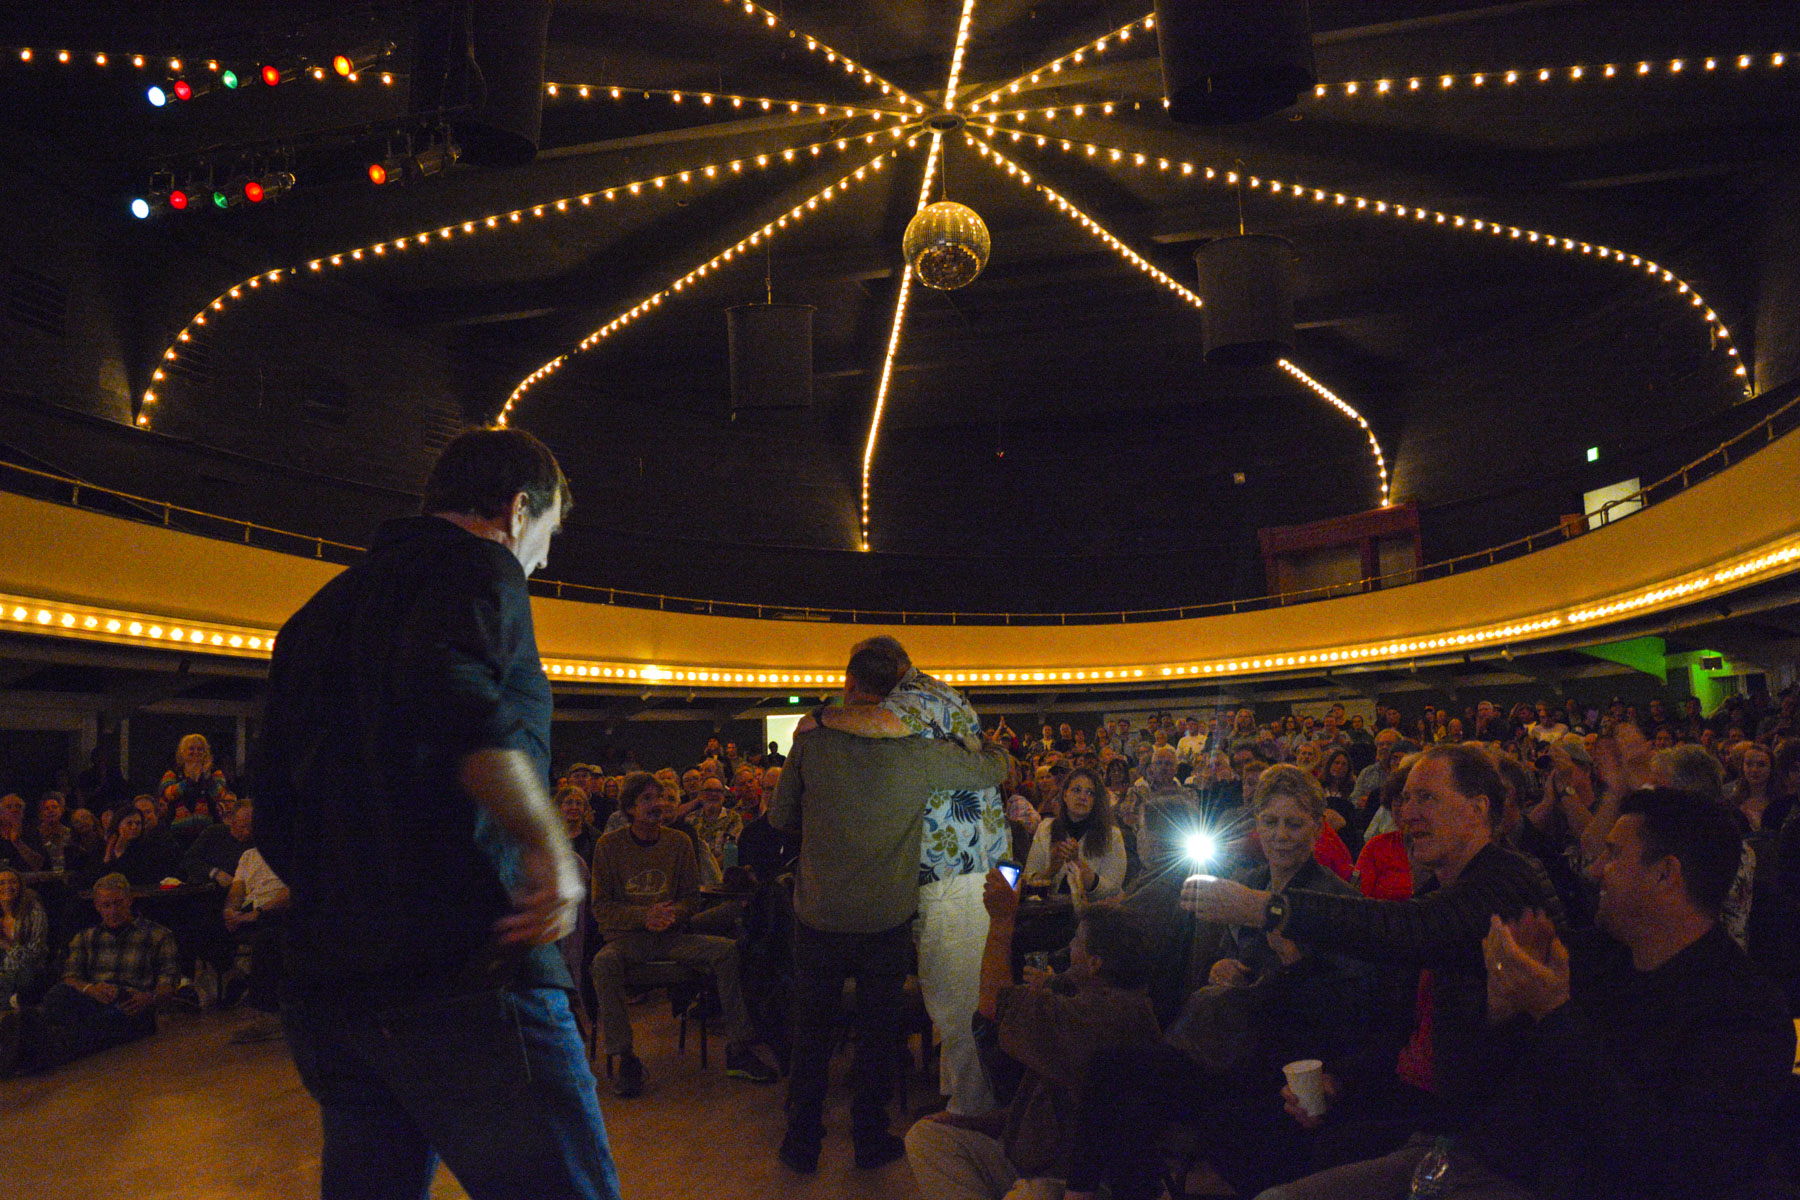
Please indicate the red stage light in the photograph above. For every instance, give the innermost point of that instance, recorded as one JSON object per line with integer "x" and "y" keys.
{"x": 183, "y": 90}
{"x": 178, "y": 199}
{"x": 271, "y": 75}
{"x": 253, "y": 191}
{"x": 377, "y": 174}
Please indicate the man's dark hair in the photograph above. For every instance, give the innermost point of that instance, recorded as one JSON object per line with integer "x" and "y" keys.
{"x": 1472, "y": 773}
{"x": 877, "y": 664}
{"x": 480, "y": 472}
{"x": 635, "y": 785}
{"x": 1699, "y": 833}
{"x": 1120, "y": 939}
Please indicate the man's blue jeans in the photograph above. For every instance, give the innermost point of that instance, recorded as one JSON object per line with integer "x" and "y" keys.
{"x": 496, "y": 1083}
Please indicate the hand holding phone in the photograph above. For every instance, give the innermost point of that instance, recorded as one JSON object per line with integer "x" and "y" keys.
{"x": 1012, "y": 872}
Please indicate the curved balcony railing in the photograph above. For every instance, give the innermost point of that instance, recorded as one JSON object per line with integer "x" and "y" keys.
{"x": 49, "y": 485}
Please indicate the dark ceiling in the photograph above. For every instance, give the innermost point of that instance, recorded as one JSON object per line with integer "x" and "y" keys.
{"x": 1052, "y": 437}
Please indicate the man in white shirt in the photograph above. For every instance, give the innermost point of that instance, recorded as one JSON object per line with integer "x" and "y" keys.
{"x": 1191, "y": 746}
{"x": 253, "y": 910}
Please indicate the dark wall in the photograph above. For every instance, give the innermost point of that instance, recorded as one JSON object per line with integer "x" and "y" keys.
{"x": 31, "y": 758}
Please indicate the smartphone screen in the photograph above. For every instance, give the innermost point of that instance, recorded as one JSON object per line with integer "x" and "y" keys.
{"x": 1012, "y": 871}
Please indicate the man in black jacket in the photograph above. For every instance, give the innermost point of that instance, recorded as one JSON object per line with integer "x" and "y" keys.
{"x": 405, "y": 801}
{"x": 1653, "y": 1058}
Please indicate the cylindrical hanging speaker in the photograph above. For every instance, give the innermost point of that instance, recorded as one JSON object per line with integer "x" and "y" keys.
{"x": 1229, "y": 61}
{"x": 771, "y": 355}
{"x": 488, "y": 54}
{"x": 1247, "y": 283}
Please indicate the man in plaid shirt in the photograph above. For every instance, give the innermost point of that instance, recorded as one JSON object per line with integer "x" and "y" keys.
{"x": 113, "y": 976}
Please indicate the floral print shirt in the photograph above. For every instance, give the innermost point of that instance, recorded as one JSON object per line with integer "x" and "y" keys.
{"x": 965, "y": 831}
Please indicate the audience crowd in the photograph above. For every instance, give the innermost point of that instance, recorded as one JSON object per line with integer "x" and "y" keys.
{"x": 1547, "y": 950}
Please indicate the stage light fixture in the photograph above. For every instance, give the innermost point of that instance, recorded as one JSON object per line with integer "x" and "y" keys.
{"x": 271, "y": 74}
{"x": 140, "y": 208}
{"x": 183, "y": 90}
{"x": 178, "y": 200}
{"x": 378, "y": 173}
{"x": 253, "y": 192}
{"x": 352, "y": 64}
{"x": 267, "y": 186}
{"x": 157, "y": 96}
{"x": 229, "y": 79}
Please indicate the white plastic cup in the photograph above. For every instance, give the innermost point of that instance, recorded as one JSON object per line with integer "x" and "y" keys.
{"x": 1306, "y": 1078}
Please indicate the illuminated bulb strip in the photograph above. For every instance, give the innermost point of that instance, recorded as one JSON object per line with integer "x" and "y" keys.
{"x": 1438, "y": 83}
{"x": 893, "y": 347}
{"x": 491, "y": 223}
{"x": 1057, "y": 200}
{"x": 1768, "y": 561}
{"x": 26, "y": 614}
{"x": 772, "y": 20}
{"x": 644, "y": 306}
{"x": 1344, "y": 407}
{"x": 1100, "y": 45}
{"x": 85, "y": 58}
{"x": 683, "y": 96}
{"x": 1411, "y": 214}
{"x": 1136, "y": 260}
{"x": 956, "y": 56}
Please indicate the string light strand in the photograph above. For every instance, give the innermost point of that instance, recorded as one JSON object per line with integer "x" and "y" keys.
{"x": 716, "y": 100}
{"x": 1117, "y": 39}
{"x": 489, "y": 223}
{"x": 1299, "y": 193}
{"x": 648, "y": 304}
{"x": 772, "y": 20}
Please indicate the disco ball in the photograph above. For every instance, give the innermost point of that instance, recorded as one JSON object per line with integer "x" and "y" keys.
{"x": 947, "y": 244}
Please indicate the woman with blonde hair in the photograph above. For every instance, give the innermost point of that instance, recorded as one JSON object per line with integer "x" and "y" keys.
{"x": 24, "y": 938}
{"x": 194, "y": 780}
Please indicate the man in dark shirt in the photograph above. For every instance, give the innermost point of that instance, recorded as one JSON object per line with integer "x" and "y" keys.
{"x": 405, "y": 802}
{"x": 1654, "y": 1056}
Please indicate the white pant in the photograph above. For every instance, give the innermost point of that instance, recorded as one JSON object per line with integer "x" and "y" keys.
{"x": 961, "y": 1164}
{"x": 952, "y": 932}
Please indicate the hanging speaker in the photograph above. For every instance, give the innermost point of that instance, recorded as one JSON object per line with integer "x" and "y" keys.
{"x": 1247, "y": 283}
{"x": 771, "y": 355}
{"x": 1229, "y": 61}
{"x": 487, "y": 55}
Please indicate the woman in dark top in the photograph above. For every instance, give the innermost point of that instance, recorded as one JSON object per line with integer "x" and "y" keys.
{"x": 1337, "y": 777}
{"x": 128, "y": 853}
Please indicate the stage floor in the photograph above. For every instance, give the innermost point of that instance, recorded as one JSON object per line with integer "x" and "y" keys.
{"x": 189, "y": 1115}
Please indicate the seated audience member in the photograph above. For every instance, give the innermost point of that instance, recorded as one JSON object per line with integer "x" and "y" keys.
{"x": 1081, "y": 851}
{"x": 713, "y": 825}
{"x": 1288, "y": 1002}
{"x": 1022, "y": 1152}
{"x": 646, "y": 886}
{"x": 253, "y": 912}
{"x": 1155, "y": 895}
{"x": 747, "y": 792}
{"x": 18, "y": 846}
{"x": 24, "y": 939}
{"x": 1446, "y": 812}
{"x": 129, "y": 853}
{"x": 53, "y": 836}
{"x": 112, "y": 977}
{"x": 765, "y": 851}
{"x": 577, "y": 814}
{"x": 86, "y": 843}
{"x": 213, "y": 858}
{"x": 1652, "y": 1057}
{"x": 1383, "y": 870}
{"x": 193, "y": 780}
{"x": 158, "y": 843}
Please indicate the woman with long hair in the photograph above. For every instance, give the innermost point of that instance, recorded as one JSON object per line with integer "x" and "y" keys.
{"x": 1337, "y": 778}
{"x": 129, "y": 854}
{"x": 1079, "y": 851}
{"x": 24, "y": 938}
